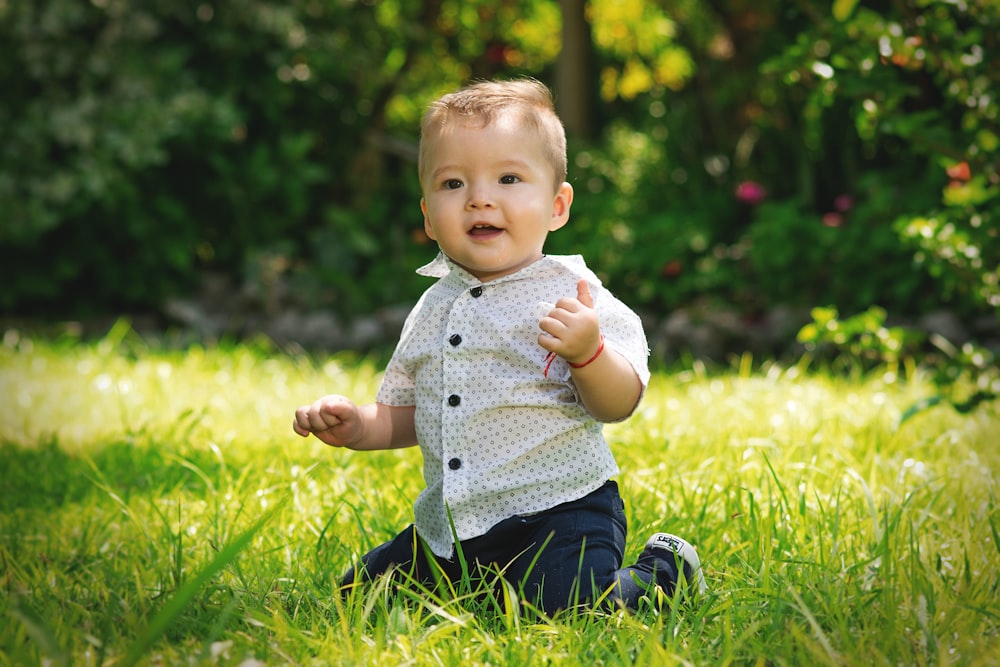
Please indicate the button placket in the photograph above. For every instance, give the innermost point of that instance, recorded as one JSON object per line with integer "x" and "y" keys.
{"x": 454, "y": 381}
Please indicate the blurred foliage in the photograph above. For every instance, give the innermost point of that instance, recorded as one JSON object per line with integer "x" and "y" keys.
{"x": 141, "y": 144}
{"x": 767, "y": 178}
{"x": 750, "y": 153}
{"x": 864, "y": 336}
{"x": 930, "y": 86}
{"x": 919, "y": 81}
{"x": 964, "y": 376}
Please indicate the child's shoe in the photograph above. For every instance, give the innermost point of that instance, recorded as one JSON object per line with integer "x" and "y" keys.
{"x": 684, "y": 554}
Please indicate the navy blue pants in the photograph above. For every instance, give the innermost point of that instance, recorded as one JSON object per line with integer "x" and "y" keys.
{"x": 565, "y": 557}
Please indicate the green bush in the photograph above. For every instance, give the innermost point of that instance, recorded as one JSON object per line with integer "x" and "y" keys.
{"x": 851, "y": 257}
{"x": 141, "y": 144}
{"x": 750, "y": 155}
{"x": 916, "y": 79}
{"x": 133, "y": 154}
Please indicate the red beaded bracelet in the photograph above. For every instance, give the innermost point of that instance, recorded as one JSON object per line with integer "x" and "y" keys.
{"x": 600, "y": 348}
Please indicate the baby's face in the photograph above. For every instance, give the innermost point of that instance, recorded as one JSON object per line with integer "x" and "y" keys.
{"x": 489, "y": 196}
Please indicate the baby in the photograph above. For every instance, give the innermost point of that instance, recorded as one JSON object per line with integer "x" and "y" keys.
{"x": 505, "y": 401}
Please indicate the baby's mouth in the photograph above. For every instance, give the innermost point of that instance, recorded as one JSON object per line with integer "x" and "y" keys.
{"x": 484, "y": 230}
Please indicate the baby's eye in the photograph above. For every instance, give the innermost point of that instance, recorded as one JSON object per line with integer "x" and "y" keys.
{"x": 452, "y": 184}
{"x": 509, "y": 179}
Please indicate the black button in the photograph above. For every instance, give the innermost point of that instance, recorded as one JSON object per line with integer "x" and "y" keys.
{"x": 455, "y": 464}
{"x": 454, "y": 400}
{"x": 476, "y": 292}
{"x": 455, "y": 339}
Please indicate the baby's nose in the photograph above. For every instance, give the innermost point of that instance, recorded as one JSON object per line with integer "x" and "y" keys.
{"x": 480, "y": 197}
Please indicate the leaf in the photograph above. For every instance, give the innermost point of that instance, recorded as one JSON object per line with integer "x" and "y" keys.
{"x": 967, "y": 406}
{"x": 987, "y": 141}
{"x": 842, "y": 9}
{"x": 918, "y": 407}
{"x": 823, "y": 316}
{"x": 808, "y": 334}
{"x": 972, "y": 193}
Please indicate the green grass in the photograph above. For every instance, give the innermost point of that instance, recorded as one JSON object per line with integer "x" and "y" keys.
{"x": 156, "y": 508}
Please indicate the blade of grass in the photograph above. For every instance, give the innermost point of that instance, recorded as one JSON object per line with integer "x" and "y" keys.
{"x": 173, "y": 607}
{"x": 832, "y": 658}
{"x": 40, "y": 632}
{"x": 781, "y": 487}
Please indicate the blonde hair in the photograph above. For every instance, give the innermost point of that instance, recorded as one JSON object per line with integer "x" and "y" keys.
{"x": 484, "y": 101}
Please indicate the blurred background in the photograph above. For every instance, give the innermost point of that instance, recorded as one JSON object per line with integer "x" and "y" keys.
{"x": 248, "y": 166}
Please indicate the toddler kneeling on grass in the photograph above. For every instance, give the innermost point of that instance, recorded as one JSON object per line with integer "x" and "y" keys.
{"x": 504, "y": 373}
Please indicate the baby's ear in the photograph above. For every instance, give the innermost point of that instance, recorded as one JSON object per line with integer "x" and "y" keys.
{"x": 427, "y": 222}
{"x": 560, "y": 206}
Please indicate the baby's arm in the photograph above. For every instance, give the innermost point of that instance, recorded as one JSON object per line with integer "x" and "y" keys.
{"x": 338, "y": 422}
{"x": 609, "y": 387}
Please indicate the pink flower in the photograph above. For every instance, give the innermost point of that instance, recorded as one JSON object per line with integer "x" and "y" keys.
{"x": 751, "y": 192}
{"x": 843, "y": 203}
{"x": 672, "y": 269}
{"x": 959, "y": 172}
{"x": 833, "y": 219}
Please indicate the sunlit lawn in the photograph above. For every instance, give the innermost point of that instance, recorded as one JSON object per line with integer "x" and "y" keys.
{"x": 157, "y": 508}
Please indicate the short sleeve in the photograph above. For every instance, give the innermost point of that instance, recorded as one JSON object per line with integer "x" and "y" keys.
{"x": 623, "y": 333}
{"x": 398, "y": 386}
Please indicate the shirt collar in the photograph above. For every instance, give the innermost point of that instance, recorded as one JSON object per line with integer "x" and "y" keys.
{"x": 442, "y": 266}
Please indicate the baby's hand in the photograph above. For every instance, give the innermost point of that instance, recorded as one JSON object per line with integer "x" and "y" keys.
{"x": 542, "y": 311}
{"x": 571, "y": 328}
{"x": 333, "y": 419}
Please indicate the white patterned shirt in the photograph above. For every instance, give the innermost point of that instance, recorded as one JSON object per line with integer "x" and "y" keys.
{"x": 499, "y": 436}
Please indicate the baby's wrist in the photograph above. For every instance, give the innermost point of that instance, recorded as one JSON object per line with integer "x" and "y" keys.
{"x": 589, "y": 360}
